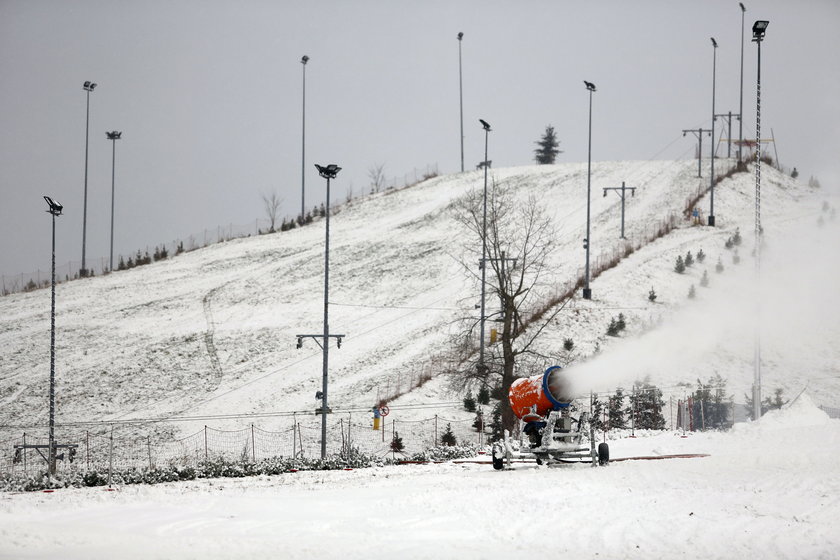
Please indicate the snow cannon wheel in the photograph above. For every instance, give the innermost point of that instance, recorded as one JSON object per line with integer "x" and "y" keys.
{"x": 498, "y": 457}
{"x": 603, "y": 454}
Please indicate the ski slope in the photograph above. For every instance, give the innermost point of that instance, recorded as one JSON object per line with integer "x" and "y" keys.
{"x": 213, "y": 331}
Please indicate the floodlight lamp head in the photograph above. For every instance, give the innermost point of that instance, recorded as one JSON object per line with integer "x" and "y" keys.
{"x": 714, "y": 43}
{"x": 605, "y": 192}
{"x": 485, "y": 124}
{"x": 304, "y": 60}
{"x": 88, "y": 86}
{"x": 589, "y": 85}
{"x": 743, "y": 9}
{"x": 299, "y": 343}
{"x": 460, "y": 35}
{"x": 328, "y": 171}
{"x": 115, "y": 135}
{"x": 338, "y": 342}
{"x": 759, "y": 27}
{"x": 55, "y": 208}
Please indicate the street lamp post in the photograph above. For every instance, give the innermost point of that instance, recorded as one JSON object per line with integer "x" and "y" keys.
{"x": 327, "y": 172}
{"x": 55, "y": 209}
{"x": 303, "y": 61}
{"x": 759, "y": 28}
{"x": 88, "y": 87}
{"x": 482, "y": 367}
{"x": 712, "y": 195}
{"x": 461, "y": 97}
{"x": 587, "y": 291}
{"x": 741, "y": 105}
{"x": 113, "y": 136}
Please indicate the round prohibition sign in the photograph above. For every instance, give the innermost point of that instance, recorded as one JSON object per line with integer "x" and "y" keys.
{"x": 384, "y": 410}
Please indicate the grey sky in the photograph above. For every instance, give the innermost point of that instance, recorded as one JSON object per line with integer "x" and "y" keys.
{"x": 208, "y": 97}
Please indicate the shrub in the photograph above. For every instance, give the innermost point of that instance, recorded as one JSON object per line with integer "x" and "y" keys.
{"x": 469, "y": 402}
{"x": 679, "y": 266}
{"x": 568, "y": 344}
{"x": 689, "y": 260}
{"x": 651, "y": 295}
{"x": 701, "y": 256}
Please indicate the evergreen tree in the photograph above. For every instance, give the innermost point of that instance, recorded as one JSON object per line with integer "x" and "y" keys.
{"x": 704, "y": 281}
{"x": 719, "y": 266}
{"x": 615, "y": 411}
{"x": 483, "y": 395}
{"x": 469, "y": 402}
{"x": 621, "y": 323}
{"x": 597, "y": 414}
{"x": 736, "y": 258}
{"x": 689, "y": 260}
{"x": 692, "y": 292}
{"x": 496, "y": 428}
{"x": 729, "y": 243}
{"x": 679, "y": 266}
{"x": 547, "y": 150}
{"x": 736, "y": 239}
{"x": 121, "y": 265}
{"x": 651, "y": 296}
{"x": 648, "y": 406}
{"x": 448, "y": 438}
{"x": 397, "y": 443}
{"x": 612, "y": 329}
{"x": 568, "y": 344}
{"x": 701, "y": 256}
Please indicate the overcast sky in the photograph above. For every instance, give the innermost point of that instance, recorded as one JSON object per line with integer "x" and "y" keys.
{"x": 208, "y": 97}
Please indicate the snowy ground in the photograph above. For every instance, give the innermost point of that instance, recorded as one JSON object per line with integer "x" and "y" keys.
{"x": 767, "y": 490}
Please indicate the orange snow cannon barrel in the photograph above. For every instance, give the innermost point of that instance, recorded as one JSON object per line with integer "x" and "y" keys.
{"x": 540, "y": 394}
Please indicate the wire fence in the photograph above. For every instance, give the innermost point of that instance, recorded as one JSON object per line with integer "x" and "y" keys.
{"x": 121, "y": 447}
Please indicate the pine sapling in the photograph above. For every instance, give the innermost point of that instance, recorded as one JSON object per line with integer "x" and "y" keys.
{"x": 469, "y": 402}
{"x": 689, "y": 260}
{"x": 621, "y": 324}
{"x": 719, "y": 266}
{"x": 679, "y": 267}
{"x": 692, "y": 293}
{"x": 736, "y": 258}
{"x": 736, "y": 239}
{"x": 568, "y": 344}
{"x": 704, "y": 281}
{"x": 701, "y": 256}
{"x": 651, "y": 295}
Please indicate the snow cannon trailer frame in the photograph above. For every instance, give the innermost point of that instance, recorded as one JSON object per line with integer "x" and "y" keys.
{"x": 554, "y": 435}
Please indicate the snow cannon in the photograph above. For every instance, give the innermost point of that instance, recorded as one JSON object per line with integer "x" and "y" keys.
{"x": 556, "y": 431}
{"x": 540, "y": 394}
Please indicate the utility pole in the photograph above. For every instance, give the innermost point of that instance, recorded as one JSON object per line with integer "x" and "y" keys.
{"x": 113, "y": 137}
{"x": 622, "y": 192}
{"x": 587, "y": 291}
{"x": 698, "y": 132}
{"x": 461, "y": 96}
{"x": 482, "y": 368}
{"x": 729, "y": 116}
{"x": 711, "y": 220}
{"x": 741, "y": 103}
{"x": 327, "y": 172}
{"x": 304, "y": 59}
{"x": 88, "y": 87}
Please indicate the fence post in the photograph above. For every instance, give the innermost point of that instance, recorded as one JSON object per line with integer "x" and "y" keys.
{"x": 436, "y": 430}
{"x": 25, "y": 469}
{"x": 111, "y": 456}
{"x": 349, "y": 423}
{"x": 149, "y": 446}
{"x": 253, "y": 445}
{"x": 205, "y": 442}
{"x": 87, "y": 449}
{"x": 294, "y": 436}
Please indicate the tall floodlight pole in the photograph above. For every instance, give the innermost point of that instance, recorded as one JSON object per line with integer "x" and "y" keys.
{"x": 88, "y": 87}
{"x": 327, "y": 172}
{"x": 759, "y": 28}
{"x": 482, "y": 367}
{"x": 55, "y": 209}
{"x": 303, "y": 61}
{"x": 461, "y": 97}
{"x": 741, "y": 105}
{"x": 712, "y": 183}
{"x": 587, "y": 291}
{"x": 113, "y": 136}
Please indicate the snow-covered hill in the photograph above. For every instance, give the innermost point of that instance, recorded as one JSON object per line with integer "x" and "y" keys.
{"x": 213, "y": 331}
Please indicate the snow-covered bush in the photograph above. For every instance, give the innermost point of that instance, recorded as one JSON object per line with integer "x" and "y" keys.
{"x": 446, "y": 453}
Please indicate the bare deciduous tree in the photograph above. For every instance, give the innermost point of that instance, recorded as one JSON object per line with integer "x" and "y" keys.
{"x": 520, "y": 238}
{"x": 376, "y": 174}
{"x": 272, "y": 204}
